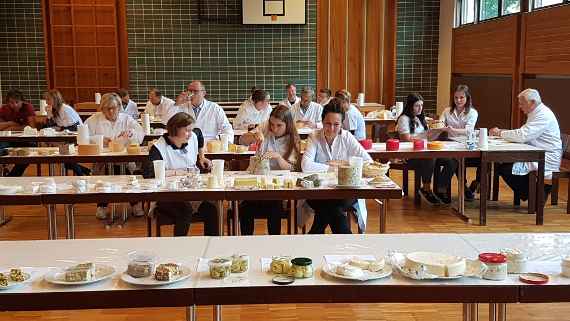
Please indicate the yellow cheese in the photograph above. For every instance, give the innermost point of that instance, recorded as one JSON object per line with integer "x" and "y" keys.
{"x": 133, "y": 149}
{"x": 88, "y": 149}
{"x": 245, "y": 182}
{"x": 232, "y": 148}
{"x": 116, "y": 147}
{"x": 214, "y": 146}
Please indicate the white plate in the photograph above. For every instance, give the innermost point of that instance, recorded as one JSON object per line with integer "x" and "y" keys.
{"x": 330, "y": 269}
{"x": 12, "y": 284}
{"x": 150, "y": 280}
{"x": 102, "y": 272}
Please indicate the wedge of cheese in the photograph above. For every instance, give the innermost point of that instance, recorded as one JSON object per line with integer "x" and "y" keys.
{"x": 440, "y": 264}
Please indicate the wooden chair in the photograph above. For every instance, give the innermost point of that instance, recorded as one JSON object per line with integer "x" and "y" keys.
{"x": 285, "y": 215}
{"x": 161, "y": 220}
{"x": 564, "y": 173}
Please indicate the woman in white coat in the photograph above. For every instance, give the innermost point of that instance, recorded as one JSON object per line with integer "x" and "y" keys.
{"x": 331, "y": 146}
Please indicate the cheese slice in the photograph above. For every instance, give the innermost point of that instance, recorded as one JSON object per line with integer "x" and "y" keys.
{"x": 439, "y": 264}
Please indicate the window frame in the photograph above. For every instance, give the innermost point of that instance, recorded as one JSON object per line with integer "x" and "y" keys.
{"x": 531, "y": 6}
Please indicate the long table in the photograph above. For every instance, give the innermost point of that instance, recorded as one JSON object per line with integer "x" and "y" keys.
{"x": 255, "y": 287}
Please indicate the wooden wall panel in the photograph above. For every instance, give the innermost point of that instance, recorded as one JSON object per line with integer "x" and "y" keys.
{"x": 356, "y": 40}
{"x": 388, "y": 58}
{"x": 322, "y": 43}
{"x": 337, "y": 44}
{"x": 486, "y": 48}
{"x": 373, "y": 52}
{"x": 547, "y": 37}
{"x": 553, "y": 94}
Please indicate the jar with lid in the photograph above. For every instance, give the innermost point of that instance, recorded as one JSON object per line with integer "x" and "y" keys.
{"x": 280, "y": 264}
{"x": 516, "y": 260}
{"x": 240, "y": 263}
{"x": 302, "y": 267}
{"x": 496, "y": 266}
{"x": 220, "y": 268}
{"x": 141, "y": 264}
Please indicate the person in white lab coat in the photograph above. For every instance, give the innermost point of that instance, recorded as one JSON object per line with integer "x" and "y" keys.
{"x": 253, "y": 111}
{"x": 324, "y": 96}
{"x": 540, "y": 130}
{"x": 354, "y": 121}
{"x": 306, "y": 112}
{"x": 209, "y": 116}
{"x": 114, "y": 125}
{"x": 128, "y": 106}
{"x": 291, "y": 98}
{"x": 158, "y": 106}
{"x": 331, "y": 146}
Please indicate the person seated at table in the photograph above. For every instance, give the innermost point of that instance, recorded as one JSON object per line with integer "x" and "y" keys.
{"x": 324, "y": 96}
{"x": 540, "y": 130}
{"x": 61, "y": 116}
{"x": 128, "y": 106}
{"x": 253, "y": 111}
{"x": 16, "y": 114}
{"x": 412, "y": 125}
{"x": 278, "y": 140}
{"x": 292, "y": 97}
{"x": 208, "y": 115}
{"x": 158, "y": 106}
{"x": 306, "y": 112}
{"x": 329, "y": 147}
{"x": 354, "y": 121}
{"x": 114, "y": 126}
{"x": 457, "y": 119}
{"x": 178, "y": 148}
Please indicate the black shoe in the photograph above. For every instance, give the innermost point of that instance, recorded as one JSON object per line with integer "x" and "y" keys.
{"x": 429, "y": 197}
{"x": 469, "y": 196}
{"x": 444, "y": 198}
{"x": 474, "y": 186}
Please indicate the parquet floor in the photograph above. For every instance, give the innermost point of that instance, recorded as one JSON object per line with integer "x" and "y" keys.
{"x": 29, "y": 222}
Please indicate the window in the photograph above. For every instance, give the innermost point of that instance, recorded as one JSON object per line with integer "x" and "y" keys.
{"x": 467, "y": 11}
{"x": 511, "y": 6}
{"x": 544, "y": 3}
{"x": 488, "y": 9}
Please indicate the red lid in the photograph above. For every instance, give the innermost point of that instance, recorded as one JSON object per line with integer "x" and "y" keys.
{"x": 492, "y": 258}
{"x": 392, "y": 140}
{"x": 534, "y": 278}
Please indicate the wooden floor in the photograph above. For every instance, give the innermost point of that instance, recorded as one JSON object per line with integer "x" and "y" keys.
{"x": 29, "y": 222}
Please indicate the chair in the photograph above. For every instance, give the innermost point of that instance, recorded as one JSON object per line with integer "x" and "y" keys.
{"x": 161, "y": 220}
{"x": 285, "y": 215}
{"x": 563, "y": 173}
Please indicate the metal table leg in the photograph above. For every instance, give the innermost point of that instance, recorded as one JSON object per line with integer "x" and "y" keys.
{"x": 191, "y": 313}
{"x": 70, "y": 221}
{"x": 382, "y": 204}
{"x": 111, "y": 220}
{"x": 52, "y": 222}
{"x": 460, "y": 210}
{"x": 220, "y": 206}
{"x": 51, "y": 169}
{"x": 236, "y": 218}
{"x": 125, "y": 205}
{"x": 217, "y": 313}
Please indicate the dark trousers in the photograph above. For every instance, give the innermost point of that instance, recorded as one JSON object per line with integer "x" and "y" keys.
{"x": 518, "y": 183}
{"x": 273, "y": 210}
{"x": 423, "y": 168}
{"x": 181, "y": 213}
{"x": 444, "y": 170}
{"x": 474, "y": 162}
{"x": 18, "y": 169}
{"x": 330, "y": 212}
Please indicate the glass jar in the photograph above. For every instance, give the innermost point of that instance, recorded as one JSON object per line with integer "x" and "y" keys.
{"x": 302, "y": 267}
{"x": 220, "y": 268}
{"x": 141, "y": 264}
{"x": 280, "y": 264}
{"x": 240, "y": 263}
{"x": 496, "y": 266}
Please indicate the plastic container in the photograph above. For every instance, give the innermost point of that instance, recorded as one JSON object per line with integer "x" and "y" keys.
{"x": 496, "y": 266}
{"x": 280, "y": 264}
{"x": 419, "y": 144}
{"x": 565, "y": 265}
{"x": 141, "y": 264}
{"x": 516, "y": 260}
{"x": 302, "y": 267}
{"x": 240, "y": 263}
{"x": 392, "y": 144}
{"x": 366, "y": 143}
{"x": 220, "y": 268}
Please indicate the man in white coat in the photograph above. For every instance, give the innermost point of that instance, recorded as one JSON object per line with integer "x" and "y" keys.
{"x": 291, "y": 98}
{"x": 158, "y": 106}
{"x": 209, "y": 116}
{"x": 540, "y": 130}
{"x": 306, "y": 112}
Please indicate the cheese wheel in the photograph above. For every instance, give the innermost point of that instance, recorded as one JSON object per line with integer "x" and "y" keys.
{"x": 116, "y": 147}
{"x": 439, "y": 264}
{"x": 435, "y": 145}
{"x": 214, "y": 146}
{"x": 245, "y": 182}
{"x": 133, "y": 149}
{"x": 88, "y": 149}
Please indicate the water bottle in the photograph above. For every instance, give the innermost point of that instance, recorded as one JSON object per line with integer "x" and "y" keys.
{"x": 471, "y": 141}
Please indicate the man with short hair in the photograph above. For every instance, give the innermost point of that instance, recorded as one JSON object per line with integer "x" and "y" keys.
{"x": 158, "y": 106}
{"x": 129, "y": 107}
{"x": 291, "y": 98}
{"x": 306, "y": 112}
{"x": 540, "y": 130}
{"x": 324, "y": 96}
{"x": 209, "y": 116}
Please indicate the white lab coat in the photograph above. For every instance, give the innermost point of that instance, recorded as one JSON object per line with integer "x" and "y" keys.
{"x": 318, "y": 153}
{"x": 314, "y": 113}
{"x": 212, "y": 119}
{"x": 288, "y": 104}
{"x": 164, "y": 110}
{"x": 249, "y": 115}
{"x": 67, "y": 117}
{"x": 132, "y": 109}
{"x": 540, "y": 130}
{"x": 99, "y": 125}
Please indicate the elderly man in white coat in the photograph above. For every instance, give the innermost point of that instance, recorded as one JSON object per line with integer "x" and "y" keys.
{"x": 306, "y": 112}
{"x": 292, "y": 97}
{"x": 209, "y": 116}
{"x": 158, "y": 106}
{"x": 114, "y": 126}
{"x": 540, "y": 130}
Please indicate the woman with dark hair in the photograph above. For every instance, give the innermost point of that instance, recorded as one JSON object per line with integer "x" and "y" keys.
{"x": 278, "y": 140}
{"x": 459, "y": 118}
{"x": 412, "y": 125}
{"x": 253, "y": 111}
{"x": 178, "y": 148}
{"x": 328, "y": 147}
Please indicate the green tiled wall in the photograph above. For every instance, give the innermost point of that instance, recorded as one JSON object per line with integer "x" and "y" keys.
{"x": 174, "y": 42}
{"x": 417, "y": 44}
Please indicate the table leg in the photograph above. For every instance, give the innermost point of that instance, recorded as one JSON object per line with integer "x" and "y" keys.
{"x": 540, "y": 193}
{"x": 191, "y": 313}
{"x": 484, "y": 190}
{"x": 217, "y": 313}
{"x": 382, "y": 204}
{"x": 125, "y": 205}
{"x": 3, "y": 218}
{"x": 220, "y": 206}
{"x": 236, "y": 218}
{"x": 111, "y": 220}
{"x": 293, "y": 214}
{"x": 70, "y": 221}
{"x": 52, "y": 222}
{"x": 492, "y": 312}
{"x": 62, "y": 170}
{"x": 470, "y": 312}
{"x": 51, "y": 169}
{"x": 460, "y": 210}
{"x": 501, "y": 312}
